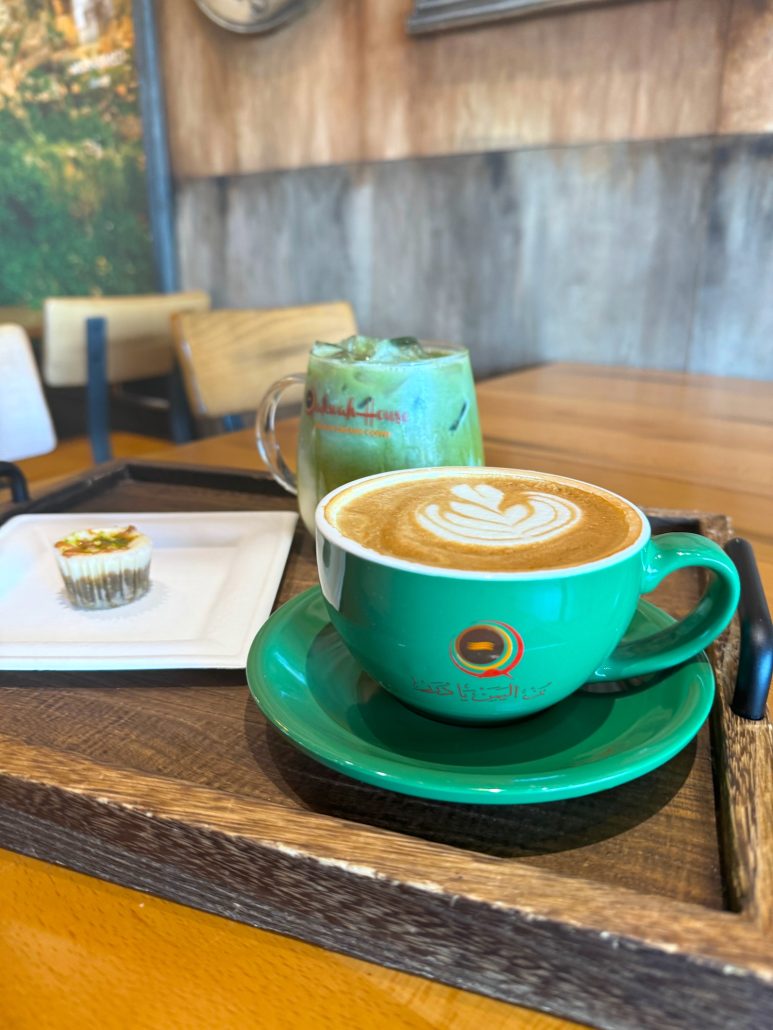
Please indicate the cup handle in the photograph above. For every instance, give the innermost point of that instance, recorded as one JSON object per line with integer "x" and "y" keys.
{"x": 664, "y": 555}
{"x": 265, "y": 432}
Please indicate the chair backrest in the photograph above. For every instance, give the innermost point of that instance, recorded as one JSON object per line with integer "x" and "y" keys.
{"x": 139, "y": 339}
{"x": 229, "y": 358}
{"x": 26, "y": 429}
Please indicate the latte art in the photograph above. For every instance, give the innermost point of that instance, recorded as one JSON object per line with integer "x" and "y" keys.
{"x": 481, "y": 517}
{"x": 484, "y": 520}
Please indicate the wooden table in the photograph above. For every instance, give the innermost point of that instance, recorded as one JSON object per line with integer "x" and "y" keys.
{"x": 131, "y": 959}
{"x": 661, "y": 439}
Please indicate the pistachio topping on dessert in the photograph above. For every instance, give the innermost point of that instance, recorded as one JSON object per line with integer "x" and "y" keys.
{"x": 98, "y": 541}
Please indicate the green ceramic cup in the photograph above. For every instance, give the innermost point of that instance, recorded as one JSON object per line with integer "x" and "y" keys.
{"x": 555, "y": 630}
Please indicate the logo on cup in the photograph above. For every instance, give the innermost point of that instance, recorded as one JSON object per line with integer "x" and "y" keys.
{"x": 311, "y": 400}
{"x": 487, "y": 649}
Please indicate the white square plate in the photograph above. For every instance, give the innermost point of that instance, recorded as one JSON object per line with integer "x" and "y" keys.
{"x": 214, "y": 577}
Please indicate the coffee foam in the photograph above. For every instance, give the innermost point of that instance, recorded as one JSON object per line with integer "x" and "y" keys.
{"x": 477, "y": 514}
{"x": 489, "y": 520}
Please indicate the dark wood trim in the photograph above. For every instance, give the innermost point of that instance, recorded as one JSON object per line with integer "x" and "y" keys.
{"x": 102, "y": 479}
{"x": 622, "y": 960}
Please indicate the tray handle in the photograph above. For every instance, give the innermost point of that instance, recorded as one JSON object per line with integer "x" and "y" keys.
{"x": 755, "y": 661}
{"x": 14, "y": 474}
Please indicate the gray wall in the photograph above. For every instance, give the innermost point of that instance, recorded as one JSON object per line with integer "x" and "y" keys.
{"x": 655, "y": 254}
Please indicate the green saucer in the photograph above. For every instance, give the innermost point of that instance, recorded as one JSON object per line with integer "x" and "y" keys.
{"x": 309, "y": 686}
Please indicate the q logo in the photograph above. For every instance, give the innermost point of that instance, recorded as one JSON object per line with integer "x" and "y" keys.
{"x": 487, "y": 649}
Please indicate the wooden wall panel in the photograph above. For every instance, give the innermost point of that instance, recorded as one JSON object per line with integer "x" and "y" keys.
{"x": 346, "y": 83}
{"x": 635, "y": 71}
{"x": 653, "y": 254}
{"x": 247, "y": 103}
{"x": 747, "y": 83}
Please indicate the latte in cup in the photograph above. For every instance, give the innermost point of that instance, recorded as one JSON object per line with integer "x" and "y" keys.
{"x": 487, "y": 520}
{"x": 477, "y": 595}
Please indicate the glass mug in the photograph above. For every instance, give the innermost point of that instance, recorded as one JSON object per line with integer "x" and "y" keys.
{"x": 373, "y": 406}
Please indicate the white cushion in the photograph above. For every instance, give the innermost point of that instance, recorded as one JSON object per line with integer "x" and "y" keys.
{"x": 26, "y": 428}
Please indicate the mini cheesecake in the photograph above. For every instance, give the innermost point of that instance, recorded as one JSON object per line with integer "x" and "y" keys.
{"x": 104, "y": 568}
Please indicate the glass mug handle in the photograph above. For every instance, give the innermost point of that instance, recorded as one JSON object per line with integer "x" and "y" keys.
{"x": 265, "y": 432}
{"x": 684, "y": 639}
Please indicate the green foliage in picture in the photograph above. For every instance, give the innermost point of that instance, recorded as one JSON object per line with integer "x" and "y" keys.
{"x": 73, "y": 209}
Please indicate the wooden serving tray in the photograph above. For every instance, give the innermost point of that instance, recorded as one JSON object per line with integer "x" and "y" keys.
{"x": 648, "y": 905}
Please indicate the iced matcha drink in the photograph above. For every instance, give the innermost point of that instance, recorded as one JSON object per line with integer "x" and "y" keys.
{"x": 377, "y": 405}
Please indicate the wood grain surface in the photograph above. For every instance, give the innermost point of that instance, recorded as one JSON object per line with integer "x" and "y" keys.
{"x": 229, "y": 358}
{"x": 748, "y": 65}
{"x": 346, "y": 82}
{"x": 744, "y": 750}
{"x": 662, "y": 439}
{"x": 624, "y": 909}
{"x": 139, "y": 335}
{"x": 158, "y": 959}
{"x": 75, "y": 455}
{"x": 659, "y": 438}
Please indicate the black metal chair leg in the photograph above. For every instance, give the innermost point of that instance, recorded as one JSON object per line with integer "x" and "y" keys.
{"x": 97, "y": 397}
{"x": 11, "y": 472}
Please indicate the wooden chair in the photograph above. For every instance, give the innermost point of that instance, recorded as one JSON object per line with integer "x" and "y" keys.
{"x": 29, "y": 449}
{"x": 99, "y": 342}
{"x": 229, "y": 358}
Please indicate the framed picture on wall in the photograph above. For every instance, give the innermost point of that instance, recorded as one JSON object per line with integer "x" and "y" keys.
{"x": 84, "y": 193}
{"x": 436, "y": 15}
